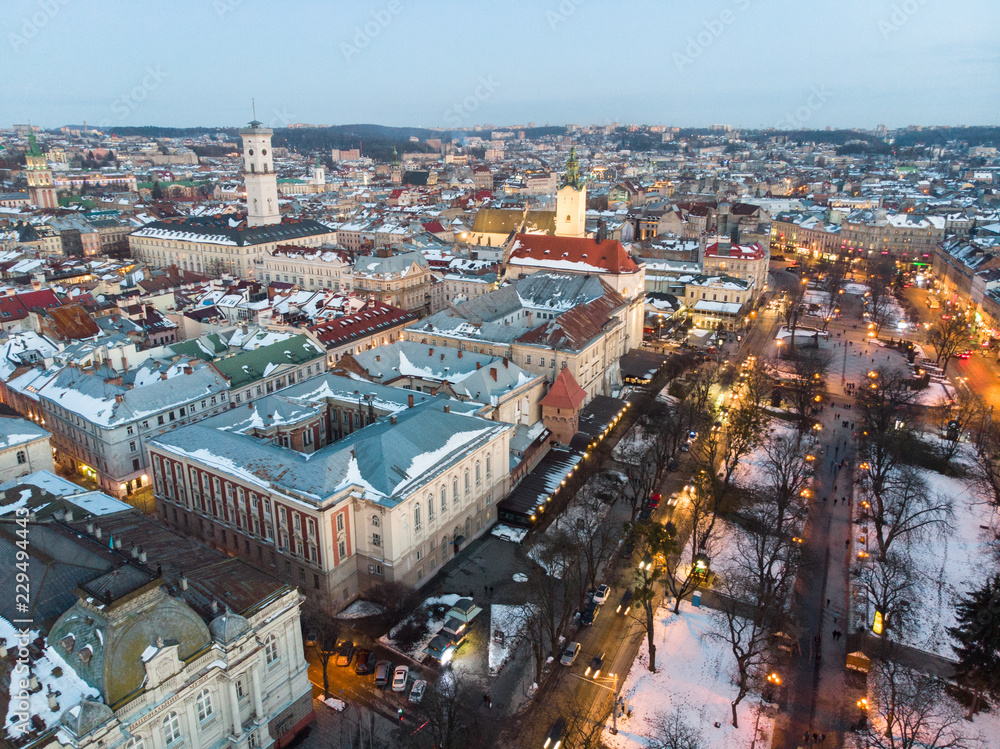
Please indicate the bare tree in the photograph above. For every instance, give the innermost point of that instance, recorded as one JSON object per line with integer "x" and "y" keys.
{"x": 549, "y": 594}
{"x": 444, "y": 721}
{"x": 904, "y": 509}
{"x": 792, "y": 310}
{"x": 327, "y": 631}
{"x": 889, "y": 585}
{"x": 956, "y": 417}
{"x": 809, "y": 386}
{"x": 911, "y": 710}
{"x": 881, "y": 274}
{"x": 948, "y": 336}
{"x": 672, "y": 731}
{"x": 681, "y": 575}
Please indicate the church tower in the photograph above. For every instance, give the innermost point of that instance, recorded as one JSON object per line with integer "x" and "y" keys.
{"x": 571, "y": 201}
{"x": 258, "y": 174}
{"x": 40, "y": 186}
{"x": 396, "y": 169}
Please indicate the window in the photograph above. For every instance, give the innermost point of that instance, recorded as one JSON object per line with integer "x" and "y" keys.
{"x": 376, "y": 539}
{"x": 171, "y": 728}
{"x": 541, "y": 361}
{"x": 375, "y": 569}
{"x": 241, "y": 690}
{"x": 22, "y": 458}
{"x": 342, "y": 548}
{"x": 135, "y": 464}
{"x": 340, "y": 522}
{"x": 467, "y": 485}
{"x": 375, "y": 521}
{"x": 159, "y": 419}
{"x": 416, "y": 516}
{"x": 130, "y": 429}
{"x": 204, "y": 704}
{"x": 444, "y": 500}
{"x": 489, "y": 469}
{"x": 527, "y": 359}
{"x": 479, "y": 477}
{"x": 454, "y": 489}
{"x": 135, "y": 742}
{"x": 271, "y": 649}
{"x": 430, "y": 508}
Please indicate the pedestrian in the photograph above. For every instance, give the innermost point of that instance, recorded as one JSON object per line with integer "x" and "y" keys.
{"x": 824, "y": 500}
{"x": 491, "y": 591}
{"x": 486, "y": 589}
{"x": 836, "y": 616}
{"x": 822, "y": 738}
{"x": 827, "y": 603}
{"x": 815, "y": 737}
{"x": 847, "y": 543}
{"x": 834, "y": 501}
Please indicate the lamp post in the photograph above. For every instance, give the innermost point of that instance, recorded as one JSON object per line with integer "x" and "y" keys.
{"x": 602, "y": 682}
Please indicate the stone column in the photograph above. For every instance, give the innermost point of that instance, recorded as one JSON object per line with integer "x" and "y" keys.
{"x": 234, "y": 705}
{"x": 258, "y": 694}
{"x": 192, "y": 717}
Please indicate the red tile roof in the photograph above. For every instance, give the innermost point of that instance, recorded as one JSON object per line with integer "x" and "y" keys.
{"x": 565, "y": 392}
{"x": 18, "y": 306}
{"x": 576, "y": 327}
{"x": 753, "y": 251}
{"x": 73, "y": 322}
{"x": 370, "y": 319}
{"x": 546, "y": 251}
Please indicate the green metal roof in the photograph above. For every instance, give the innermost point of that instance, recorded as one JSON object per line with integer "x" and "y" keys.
{"x": 250, "y": 366}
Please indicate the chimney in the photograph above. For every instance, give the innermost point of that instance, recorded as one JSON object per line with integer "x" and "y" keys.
{"x": 188, "y": 370}
{"x": 118, "y": 544}
{"x": 392, "y": 419}
{"x": 442, "y": 357}
{"x": 97, "y": 532}
{"x": 478, "y": 366}
{"x": 430, "y": 352}
{"x": 505, "y": 362}
{"x": 434, "y": 391}
{"x": 378, "y": 357}
{"x": 90, "y": 528}
{"x": 409, "y": 401}
{"x": 493, "y": 373}
{"x": 460, "y": 353}
{"x": 142, "y": 555}
{"x": 119, "y": 397}
{"x": 53, "y": 703}
{"x": 184, "y": 582}
{"x": 68, "y": 517}
{"x": 215, "y": 607}
{"x": 447, "y": 408}
{"x": 135, "y": 552}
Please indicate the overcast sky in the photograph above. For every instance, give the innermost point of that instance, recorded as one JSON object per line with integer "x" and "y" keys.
{"x": 444, "y": 63}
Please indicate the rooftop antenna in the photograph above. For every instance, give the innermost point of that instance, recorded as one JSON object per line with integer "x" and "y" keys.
{"x": 253, "y": 105}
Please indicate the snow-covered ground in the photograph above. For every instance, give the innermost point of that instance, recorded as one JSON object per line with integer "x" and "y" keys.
{"x": 510, "y": 621}
{"x": 693, "y": 674}
{"x": 509, "y": 533}
{"x": 855, "y": 288}
{"x": 434, "y": 623}
{"x": 946, "y": 564}
{"x": 360, "y": 609}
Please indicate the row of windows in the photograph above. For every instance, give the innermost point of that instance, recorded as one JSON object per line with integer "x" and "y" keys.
{"x": 443, "y": 494}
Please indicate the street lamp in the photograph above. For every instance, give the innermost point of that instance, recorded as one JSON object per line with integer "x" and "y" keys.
{"x": 602, "y": 682}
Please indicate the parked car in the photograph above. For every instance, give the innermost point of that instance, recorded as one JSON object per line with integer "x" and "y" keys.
{"x": 601, "y": 594}
{"x": 383, "y": 673}
{"x": 590, "y": 613}
{"x": 646, "y": 513}
{"x": 654, "y": 499}
{"x": 365, "y": 662}
{"x": 417, "y": 692}
{"x": 311, "y": 636}
{"x": 570, "y": 653}
{"x": 554, "y": 738}
{"x": 673, "y": 465}
{"x": 594, "y": 669}
{"x": 628, "y": 547}
{"x": 625, "y": 604}
{"x": 399, "y": 677}
{"x": 345, "y": 652}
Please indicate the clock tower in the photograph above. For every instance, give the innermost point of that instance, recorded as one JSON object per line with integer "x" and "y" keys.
{"x": 259, "y": 177}
{"x": 40, "y": 186}
{"x": 571, "y": 201}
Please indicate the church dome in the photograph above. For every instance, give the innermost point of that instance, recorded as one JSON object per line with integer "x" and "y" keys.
{"x": 83, "y": 718}
{"x": 228, "y": 627}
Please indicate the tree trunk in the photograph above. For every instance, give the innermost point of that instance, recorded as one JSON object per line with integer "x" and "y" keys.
{"x": 326, "y": 679}
{"x": 649, "y": 639}
{"x": 974, "y": 706}
{"x": 736, "y": 723}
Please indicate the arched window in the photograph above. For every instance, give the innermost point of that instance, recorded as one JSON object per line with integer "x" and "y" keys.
{"x": 375, "y": 521}
{"x": 271, "y": 649}
{"x": 171, "y": 728}
{"x": 467, "y": 481}
{"x": 454, "y": 489}
{"x": 479, "y": 475}
{"x": 416, "y": 515}
{"x": 444, "y": 499}
{"x": 135, "y": 742}
{"x": 489, "y": 466}
{"x": 21, "y": 457}
{"x": 204, "y": 704}
{"x": 430, "y": 507}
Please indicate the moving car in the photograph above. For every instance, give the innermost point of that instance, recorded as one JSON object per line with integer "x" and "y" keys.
{"x": 594, "y": 669}
{"x": 554, "y": 738}
{"x": 674, "y": 499}
{"x": 625, "y": 604}
{"x": 417, "y": 692}
{"x": 965, "y": 354}
{"x": 570, "y": 653}
{"x": 383, "y": 672}
{"x": 399, "y": 677}
{"x": 601, "y": 594}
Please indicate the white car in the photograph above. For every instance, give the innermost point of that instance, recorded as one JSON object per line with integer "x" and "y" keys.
{"x": 570, "y": 653}
{"x": 601, "y": 594}
{"x": 417, "y": 692}
{"x": 399, "y": 678}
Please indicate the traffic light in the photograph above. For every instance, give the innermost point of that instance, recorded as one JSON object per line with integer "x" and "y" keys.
{"x": 399, "y": 712}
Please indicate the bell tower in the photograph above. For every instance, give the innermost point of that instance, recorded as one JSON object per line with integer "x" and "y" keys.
{"x": 259, "y": 177}
{"x": 571, "y": 201}
{"x": 40, "y": 185}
